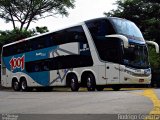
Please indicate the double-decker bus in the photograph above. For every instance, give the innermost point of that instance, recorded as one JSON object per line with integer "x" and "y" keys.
{"x": 93, "y": 54}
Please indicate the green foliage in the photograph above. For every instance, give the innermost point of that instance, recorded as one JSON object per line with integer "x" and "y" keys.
{"x": 41, "y": 29}
{"x": 146, "y": 14}
{"x": 154, "y": 58}
{"x": 13, "y": 35}
{"x": 27, "y": 11}
{"x": 17, "y": 34}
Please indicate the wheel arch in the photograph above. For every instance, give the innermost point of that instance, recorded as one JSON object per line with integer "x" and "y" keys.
{"x": 69, "y": 74}
{"x": 14, "y": 79}
{"x": 23, "y": 78}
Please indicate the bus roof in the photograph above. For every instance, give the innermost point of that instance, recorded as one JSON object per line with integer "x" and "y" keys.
{"x": 36, "y": 36}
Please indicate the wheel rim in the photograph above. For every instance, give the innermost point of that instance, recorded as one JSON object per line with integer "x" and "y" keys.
{"x": 16, "y": 85}
{"x": 73, "y": 83}
{"x": 24, "y": 85}
{"x": 89, "y": 84}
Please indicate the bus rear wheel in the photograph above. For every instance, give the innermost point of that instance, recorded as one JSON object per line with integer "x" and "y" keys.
{"x": 23, "y": 85}
{"x": 91, "y": 83}
{"x": 116, "y": 88}
{"x": 74, "y": 85}
{"x": 15, "y": 85}
{"x": 100, "y": 88}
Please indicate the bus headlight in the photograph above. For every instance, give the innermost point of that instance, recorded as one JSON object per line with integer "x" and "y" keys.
{"x": 129, "y": 72}
{"x": 147, "y": 72}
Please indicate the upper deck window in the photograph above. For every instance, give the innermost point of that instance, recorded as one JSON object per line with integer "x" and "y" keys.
{"x": 126, "y": 27}
{"x": 107, "y": 48}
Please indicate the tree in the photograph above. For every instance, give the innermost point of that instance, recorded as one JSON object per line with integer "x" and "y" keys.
{"x": 14, "y": 35}
{"x": 9, "y": 36}
{"x": 146, "y": 14}
{"x": 27, "y": 11}
{"x": 41, "y": 29}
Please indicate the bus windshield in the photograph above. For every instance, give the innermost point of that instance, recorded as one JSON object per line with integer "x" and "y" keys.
{"x": 126, "y": 27}
{"x": 136, "y": 56}
{"x": 111, "y": 49}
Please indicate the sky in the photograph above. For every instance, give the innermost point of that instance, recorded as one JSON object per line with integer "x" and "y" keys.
{"x": 84, "y": 10}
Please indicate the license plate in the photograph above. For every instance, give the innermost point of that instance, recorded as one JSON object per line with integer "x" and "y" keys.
{"x": 141, "y": 80}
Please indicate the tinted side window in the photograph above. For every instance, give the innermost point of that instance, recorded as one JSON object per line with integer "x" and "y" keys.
{"x": 108, "y": 48}
{"x": 7, "y": 51}
{"x": 61, "y": 62}
{"x": 74, "y": 34}
{"x": 100, "y": 27}
{"x": 38, "y": 43}
{"x": 14, "y": 49}
{"x": 81, "y": 59}
{"x": 27, "y": 46}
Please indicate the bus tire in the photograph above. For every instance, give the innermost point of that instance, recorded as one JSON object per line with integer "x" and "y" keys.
{"x": 74, "y": 85}
{"x": 15, "y": 85}
{"x": 100, "y": 88}
{"x": 116, "y": 88}
{"x": 91, "y": 83}
{"x": 23, "y": 85}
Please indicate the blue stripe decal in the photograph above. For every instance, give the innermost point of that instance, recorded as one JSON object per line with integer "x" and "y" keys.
{"x": 136, "y": 41}
{"x": 39, "y": 54}
{"x": 40, "y": 77}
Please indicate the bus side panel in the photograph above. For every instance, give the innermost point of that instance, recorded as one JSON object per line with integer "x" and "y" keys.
{"x": 39, "y": 78}
{"x": 15, "y": 66}
{"x": 35, "y": 66}
{"x": 102, "y": 78}
{"x": 57, "y": 77}
{"x": 3, "y": 74}
{"x": 8, "y": 67}
{"x": 5, "y": 78}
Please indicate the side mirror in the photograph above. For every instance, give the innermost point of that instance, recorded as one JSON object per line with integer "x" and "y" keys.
{"x": 155, "y": 44}
{"x": 122, "y": 37}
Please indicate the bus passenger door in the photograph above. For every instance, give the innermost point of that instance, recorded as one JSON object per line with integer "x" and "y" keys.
{"x": 112, "y": 73}
{"x": 113, "y": 60}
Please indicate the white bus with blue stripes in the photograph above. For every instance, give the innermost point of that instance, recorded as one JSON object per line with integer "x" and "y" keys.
{"x": 94, "y": 54}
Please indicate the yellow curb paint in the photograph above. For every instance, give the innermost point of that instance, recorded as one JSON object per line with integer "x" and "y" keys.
{"x": 134, "y": 88}
{"x": 155, "y": 113}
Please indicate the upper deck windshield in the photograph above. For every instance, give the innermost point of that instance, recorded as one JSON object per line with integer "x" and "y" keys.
{"x": 111, "y": 49}
{"x": 135, "y": 55}
{"x": 128, "y": 28}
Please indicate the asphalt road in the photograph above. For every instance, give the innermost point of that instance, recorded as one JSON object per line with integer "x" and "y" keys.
{"x": 83, "y": 103}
